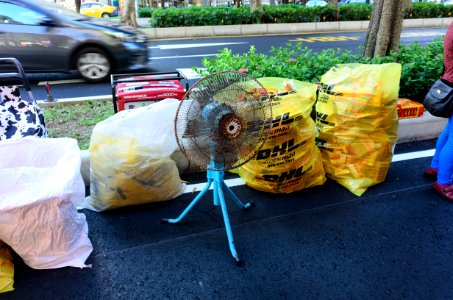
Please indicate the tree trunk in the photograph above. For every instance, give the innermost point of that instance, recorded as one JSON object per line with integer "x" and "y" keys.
{"x": 129, "y": 17}
{"x": 77, "y": 5}
{"x": 385, "y": 27}
{"x": 256, "y": 5}
{"x": 334, "y": 3}
{"x": 409, "y": 8}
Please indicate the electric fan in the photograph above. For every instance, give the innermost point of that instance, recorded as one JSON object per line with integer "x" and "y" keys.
{"x": 221, "y": 123}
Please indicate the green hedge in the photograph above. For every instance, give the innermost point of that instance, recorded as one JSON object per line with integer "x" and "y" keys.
{"x": 421, "y": 65}
{"x": 222, "y": 15}
{"x": 355, "y": 12}
{"x": 203, "y": 16}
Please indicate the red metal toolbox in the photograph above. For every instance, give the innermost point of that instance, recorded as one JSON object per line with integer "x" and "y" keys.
{"x": 130, "y": 91}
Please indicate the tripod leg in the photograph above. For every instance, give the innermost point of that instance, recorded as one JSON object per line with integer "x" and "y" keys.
{"x": 191, "y": 205}
{"x": 215, "y": 193}
{"x": 218, "y": 187}
{"x": 235, "y": 198}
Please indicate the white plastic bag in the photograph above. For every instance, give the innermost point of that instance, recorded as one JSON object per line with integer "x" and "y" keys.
{"x": 130, "y": 160}
{"x": 40, "y": 187}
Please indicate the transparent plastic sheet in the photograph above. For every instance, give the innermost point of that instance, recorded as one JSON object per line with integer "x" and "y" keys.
{"x": 6, "y": 269}
{"x": 357, "y": 123}
{"x": 130, "y": 158}
{"x": 289, "y": 160}
{"x": 41, "y": 186}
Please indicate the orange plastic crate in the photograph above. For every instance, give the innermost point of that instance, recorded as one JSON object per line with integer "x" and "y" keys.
{"x": 409, "y": 109}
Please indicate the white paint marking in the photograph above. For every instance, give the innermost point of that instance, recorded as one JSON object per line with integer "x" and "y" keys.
{"x": 191, "y": 188}
{"x": 418, "y": 34}
{"x": 184, "y": 46}
{"x": 413, "y": 155}
{"x": 182, "y": 56}
{"x": 62, "y": 81}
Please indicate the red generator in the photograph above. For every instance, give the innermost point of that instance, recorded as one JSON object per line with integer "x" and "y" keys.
{"x": 130, "y": 91}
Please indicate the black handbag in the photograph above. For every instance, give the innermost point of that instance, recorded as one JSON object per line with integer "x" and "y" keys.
{"x": 439, "y": 100}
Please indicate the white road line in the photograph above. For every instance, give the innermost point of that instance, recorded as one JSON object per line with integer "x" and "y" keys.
{"x": 413, "y": 155}
{"x": 184, "y": 46}
{"x": 62, "y": 81}
{"x": 191, "y": 188}
{"x": 418, "y": 34}
{"x": 182, "y": 56}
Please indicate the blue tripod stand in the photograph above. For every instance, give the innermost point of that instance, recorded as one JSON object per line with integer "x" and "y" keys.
{"x": 216, "y": 178}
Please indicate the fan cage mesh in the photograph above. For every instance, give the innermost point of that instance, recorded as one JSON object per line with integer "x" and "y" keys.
{"x": 223, "y": 120}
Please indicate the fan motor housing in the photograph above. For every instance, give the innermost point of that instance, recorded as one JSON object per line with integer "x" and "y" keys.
{"x": 230, "y": 126}
{"x": 221, "y": 116}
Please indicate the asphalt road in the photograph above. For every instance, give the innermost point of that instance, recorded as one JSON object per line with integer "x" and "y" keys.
{"x": 394, "y": 242}
{"x": 170, "y": 55}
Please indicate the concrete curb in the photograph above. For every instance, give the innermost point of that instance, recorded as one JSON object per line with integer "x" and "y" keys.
{"x": 419, "y": 129}
{"x": 77, "y": 100}
{"x": 409, "y": 130}
{"x": 283, "y": 28}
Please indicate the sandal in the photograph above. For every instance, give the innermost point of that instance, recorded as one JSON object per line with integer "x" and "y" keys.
{"x": 446, "y": 190}
{"x": 431, "y": 173}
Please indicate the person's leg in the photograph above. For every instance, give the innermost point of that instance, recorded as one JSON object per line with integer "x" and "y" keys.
{"x": 441, "y": 143}
{"x": 432, "y": 170}
{"x": 445, "y": 156}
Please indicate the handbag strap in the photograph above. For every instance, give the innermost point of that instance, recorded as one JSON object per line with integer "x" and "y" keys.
{"x": 9, "y": 79}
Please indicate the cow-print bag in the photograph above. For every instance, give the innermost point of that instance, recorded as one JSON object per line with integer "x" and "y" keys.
{"x": 18, "y": 117}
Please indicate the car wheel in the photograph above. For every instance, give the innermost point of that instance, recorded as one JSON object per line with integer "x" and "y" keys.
{"x": 105, "y": 15}
{"x": 93, "y": 64}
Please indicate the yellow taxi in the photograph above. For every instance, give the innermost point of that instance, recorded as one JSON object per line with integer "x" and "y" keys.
{"x": 98, "y": 10}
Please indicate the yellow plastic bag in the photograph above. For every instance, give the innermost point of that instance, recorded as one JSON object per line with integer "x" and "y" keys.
{"x": 357, "y": 123}
{"x": 289, "y": 160}
{"x": 6, "y": 270}
{"x": 130, "y": 158}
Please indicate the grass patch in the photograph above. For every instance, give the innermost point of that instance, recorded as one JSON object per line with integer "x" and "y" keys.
{"x": 76, "y": 120}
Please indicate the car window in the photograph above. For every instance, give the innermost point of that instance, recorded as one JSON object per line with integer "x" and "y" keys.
{"x": 16, "y": 14}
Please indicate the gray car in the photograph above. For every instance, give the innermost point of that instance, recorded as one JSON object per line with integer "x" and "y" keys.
{"x": 45, "y": 38}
